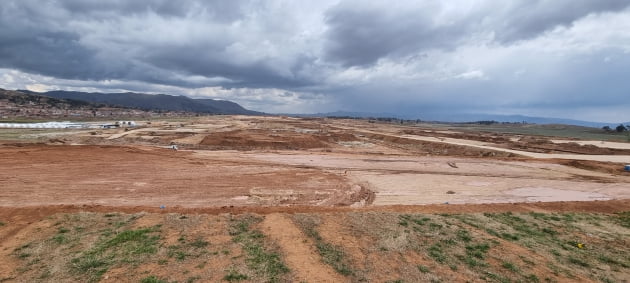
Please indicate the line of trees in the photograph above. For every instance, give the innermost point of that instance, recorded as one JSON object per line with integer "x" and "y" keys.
{"x": 619, "y": 129}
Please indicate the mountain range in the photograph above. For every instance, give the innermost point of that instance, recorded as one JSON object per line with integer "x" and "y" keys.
{"x": 152, "y": 102}
{"x": 21, "y": 99}
{"x": 166, "y": 102}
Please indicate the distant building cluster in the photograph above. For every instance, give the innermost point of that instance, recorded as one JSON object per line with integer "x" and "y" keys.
{"x": 34, "y": 110}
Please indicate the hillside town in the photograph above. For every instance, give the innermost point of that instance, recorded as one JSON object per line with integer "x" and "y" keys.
{"x": 11, "y": 108}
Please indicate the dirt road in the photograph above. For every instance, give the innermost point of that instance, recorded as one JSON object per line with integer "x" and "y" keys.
{"x": 484, "y": 145}
{"x": 494, "y": 147}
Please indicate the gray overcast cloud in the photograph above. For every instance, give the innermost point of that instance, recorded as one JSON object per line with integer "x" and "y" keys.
{"x": 554, "y": 58}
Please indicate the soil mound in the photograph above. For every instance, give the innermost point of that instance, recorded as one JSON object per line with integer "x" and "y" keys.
{"x": 258, "y": 139}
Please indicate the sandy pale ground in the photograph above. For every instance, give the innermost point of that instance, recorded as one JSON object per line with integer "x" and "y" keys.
{"x": 430, "y": 180}
{"x": 494, "y": 147}
{"x": 606, "y": 144}
{"x": 490, "y": 146}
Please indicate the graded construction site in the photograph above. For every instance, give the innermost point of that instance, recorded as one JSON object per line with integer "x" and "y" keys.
{"x": 278, "y": 199}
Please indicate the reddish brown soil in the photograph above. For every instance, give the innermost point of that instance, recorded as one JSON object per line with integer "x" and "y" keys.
{"x": 435, "y": 148}
{"x": 259, "y": 139}
{"x": 604, "y": 167}
{"x": 611, "y": 206}
{"x": 528, "y": 143}
{"x": 129, "y": 176}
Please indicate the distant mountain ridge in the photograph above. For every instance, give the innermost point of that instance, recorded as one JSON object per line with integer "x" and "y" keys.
{"x": 464, "y": 118}
{"x": 19, "y": 98}
{"x": 153, "y": 102}
{"x": 26, "y": 105}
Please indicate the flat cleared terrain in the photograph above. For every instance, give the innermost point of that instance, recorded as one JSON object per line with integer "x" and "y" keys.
{"x": 320, "y": 200}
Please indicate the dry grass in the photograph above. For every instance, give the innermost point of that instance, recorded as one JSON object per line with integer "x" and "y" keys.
{"x": 373, "y": 246}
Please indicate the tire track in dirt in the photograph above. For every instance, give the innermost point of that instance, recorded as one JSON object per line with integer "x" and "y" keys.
{"x": 299, "y": 253}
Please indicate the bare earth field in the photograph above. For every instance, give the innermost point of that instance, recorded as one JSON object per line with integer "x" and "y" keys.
{"x": 310, "y": 200}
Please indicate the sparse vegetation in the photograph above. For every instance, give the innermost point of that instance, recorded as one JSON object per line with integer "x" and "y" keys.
{"x": 234, "y": 276}
{"x": 265, "y": 263}
{"x": 152, "y": 279}
{"x": 423, "y": 268}
{"x": 331, "y": 254}
{"x": 552, "y": 247}
{"x": 127, "y": 246}
{"x": 623, "y": 218}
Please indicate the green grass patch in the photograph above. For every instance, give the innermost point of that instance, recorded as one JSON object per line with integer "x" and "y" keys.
{"x": 60, "y": 239}
{"x": 435, "y": 226}
{"x": 509, "y": 237}
{"x": 437, "y": 253}
{"x": 478, "y": 251}
{"x": 199, "y": 243}
{"x": 509, "y": 266}
{"x": 577, "y": 261}
{"x": 464, "y": 235}
{"x": 152, "y": 279}
{"x": 128, "y": 246}
{"x": 532, "y": 278}
{"x": 334, "y": 256}
{"x": 234, "y": 276}
{"x": 177, "y": 253}
{"x": 331, "y": 254}
{"x": 184, "y": 250}
{"x": 266, "y": 263}
{"x": 423, "y": 268}
{"x": 609, "y": 260}
{"x": 623, "y": 218}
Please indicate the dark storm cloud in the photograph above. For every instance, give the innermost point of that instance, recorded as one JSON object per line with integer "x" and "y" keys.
{"x": 101, "y": 40}
{"x": 209, "y": 63}
{"x": 360, "y": 33}
{"x": 29, "y": 42}
{"x": 219, "y": 10}
{"x": 528, "y": 18}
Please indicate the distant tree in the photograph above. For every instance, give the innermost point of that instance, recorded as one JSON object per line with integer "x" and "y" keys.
{"x": 606, "y": 128}
{"x": 621, "y": 128}
{"x": 485, "y": 122}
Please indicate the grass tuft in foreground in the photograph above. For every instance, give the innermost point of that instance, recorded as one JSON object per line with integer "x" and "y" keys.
{"x": 263, "y": 262}
{"x": 128, "y": 246}
{"x": 331, "y": 254}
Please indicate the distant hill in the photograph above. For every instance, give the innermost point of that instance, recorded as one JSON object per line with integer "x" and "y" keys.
{"x": 20, "y": 105}
{"x": 455, "y": 118}
{"x": 21, "y": 99}
{"x": 516, "y": 119}
{"x": 154, "y": 102}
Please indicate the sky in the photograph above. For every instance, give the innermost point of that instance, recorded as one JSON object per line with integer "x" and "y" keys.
{"x": 549, "y": 58}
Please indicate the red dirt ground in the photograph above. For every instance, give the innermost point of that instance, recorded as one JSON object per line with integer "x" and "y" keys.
{"x": 128, "y": 176}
